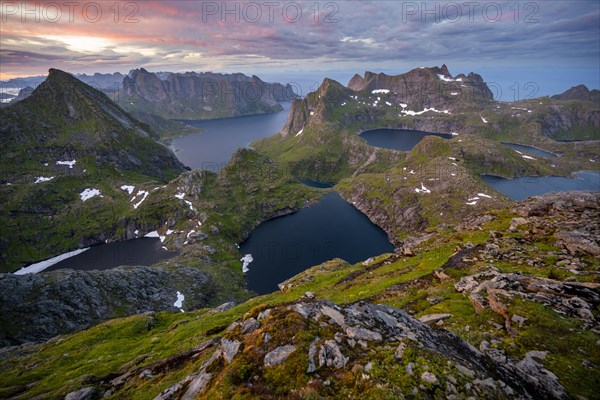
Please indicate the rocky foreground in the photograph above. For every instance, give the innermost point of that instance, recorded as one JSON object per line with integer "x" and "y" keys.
{"x": 504, "y": 305}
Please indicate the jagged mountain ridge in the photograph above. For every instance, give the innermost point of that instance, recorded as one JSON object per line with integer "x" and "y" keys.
{"x": 65, "y": 118}
{"x": 201, "y": 95}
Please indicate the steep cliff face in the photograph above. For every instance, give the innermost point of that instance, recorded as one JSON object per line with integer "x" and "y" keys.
{"x": 561, "y": 118}
{"x": 37, "y": 307}
{"x": 201, "y": 96}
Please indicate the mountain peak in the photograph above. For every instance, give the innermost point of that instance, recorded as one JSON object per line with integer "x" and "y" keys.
{"x": 579, "y": 92}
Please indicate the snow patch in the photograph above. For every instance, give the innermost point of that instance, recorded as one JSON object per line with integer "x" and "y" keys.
{"x": 38, "y": 267}
{"x": 403, "y": 105}
{"x": 41, "y": 179}
{"x": 189, "y": 203}
{"x": 454, "y": 133}
{"x": 300, "y": 132}
{"x": 388, "y": 103}
{"x": 169, "y": 232}
{"x": 179, "y": 302}
{"x": 153, "y": 234}
{"x": 139, "y": 193}
{"x": 246, "y": 260}
{"x": 384, "y": 91}
{"x": 128, "y": 188}
{"x": 484, "y": 195}
{"x": 473, "y": 203}
{"x": 89, "y": 193}
{"x": 528, "y": 157}
{"x": 69, "y": 163}
{"x": 423, "y": 189}
{"x": 484, "y": 120}
{"x": 453, "y": 93}
{"x": 410, "y": 112}
{"x": 313, "y": 113}
{"x": 446, "y": 79}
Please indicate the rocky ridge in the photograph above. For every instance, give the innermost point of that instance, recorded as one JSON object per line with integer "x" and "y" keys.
{"x": 339, "y": 343}
{"x": 37, "y": 307}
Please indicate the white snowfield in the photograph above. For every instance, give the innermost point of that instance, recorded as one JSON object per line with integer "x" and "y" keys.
{"x": 410, "y": 112}
{"x": 41, "y": 179}
{"x": 139, "y": 193}
{"x": 446, "y": 79}
{"x": 69, "y": 163}
{"x": 300, "y": 132}
{"x": 246, "y": 260}
{"x": 42, "y": 265}
{"x": 384, "y": 91}
{"x": 423, "y": 189}
{"x": 89, "y": 193}
{"x": 179, "y": 302}
{"x": 128, "y": 188}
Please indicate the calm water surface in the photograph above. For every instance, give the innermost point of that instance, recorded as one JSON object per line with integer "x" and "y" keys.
{"x": 521, "y": 188}
{"x": 285, "y": 246}
{"x": 213, "y": 147}
{"x": 397, "y": 139}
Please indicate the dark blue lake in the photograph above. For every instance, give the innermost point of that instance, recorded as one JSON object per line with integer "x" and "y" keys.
{"x": 212, "y": 147}
{"x": 397, "y": 139}
{"x": 530, "y": 150}
{"x": 521, "y": 188}
{"x": 142, "y": 251}
{"x": 316, "y": 184}
{"x": 285, "y": 246}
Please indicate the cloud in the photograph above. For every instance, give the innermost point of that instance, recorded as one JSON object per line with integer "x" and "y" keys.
{"x": 230, "y": 35}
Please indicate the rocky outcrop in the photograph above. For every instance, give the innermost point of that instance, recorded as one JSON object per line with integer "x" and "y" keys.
{"x": 37, "y": 307}
{"x": 337, "y": 352}
{"x": 201, "y": 95}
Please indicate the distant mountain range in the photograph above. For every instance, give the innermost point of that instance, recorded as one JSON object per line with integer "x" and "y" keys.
{"x": 200, "y": 95}
{"x": 160, "y": 98}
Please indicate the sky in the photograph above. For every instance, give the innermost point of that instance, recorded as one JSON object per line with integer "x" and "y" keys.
{"x": 521, "y": 48}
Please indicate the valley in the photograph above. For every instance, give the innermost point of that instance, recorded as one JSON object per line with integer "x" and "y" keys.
{"x": 330, "y": 214}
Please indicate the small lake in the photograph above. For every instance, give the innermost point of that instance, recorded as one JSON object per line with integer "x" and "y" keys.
{"x": 397, "y": 139}
{"x": 530, "y": 150}
{"x": 142, "y": 251}
{"x": 285, "y": 246}
{"x": 316, "y": 184}
{"x": 521, "y": 188}
{"x": 212, "y": 148}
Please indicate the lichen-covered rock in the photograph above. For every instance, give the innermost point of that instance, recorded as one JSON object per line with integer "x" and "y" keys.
{"x": 279, "y": 355}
